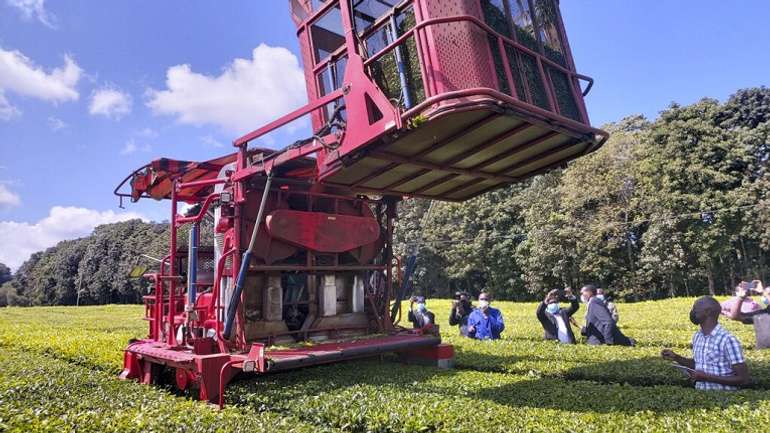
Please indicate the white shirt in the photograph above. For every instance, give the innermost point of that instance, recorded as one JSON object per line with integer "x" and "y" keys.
{"x": 561, "y": 329}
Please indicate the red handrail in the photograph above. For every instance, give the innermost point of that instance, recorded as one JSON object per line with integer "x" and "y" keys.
{"x": 204, "y": 208}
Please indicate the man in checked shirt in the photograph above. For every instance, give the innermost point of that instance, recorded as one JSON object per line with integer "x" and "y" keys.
{"x": 717, "y": 362}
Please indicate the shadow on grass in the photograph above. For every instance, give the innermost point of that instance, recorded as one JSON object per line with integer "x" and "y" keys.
{"x": 623, "y": 386}
{"x": 608, "y": 387}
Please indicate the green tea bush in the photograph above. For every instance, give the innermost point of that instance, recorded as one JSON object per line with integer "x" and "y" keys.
{"x": 39, "y": 394}
{"x": 58, "y": 370}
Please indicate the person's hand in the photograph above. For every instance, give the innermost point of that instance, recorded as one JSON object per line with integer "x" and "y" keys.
{"x": 471, "y": 329}
{"x": 697, "y": 376}
{"x": 758, "y": 286}
{"x": 668, "y": 354}
{"x": 741, "y": 292}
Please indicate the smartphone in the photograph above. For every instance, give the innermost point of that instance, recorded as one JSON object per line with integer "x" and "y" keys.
{"x": 748, "y": 285}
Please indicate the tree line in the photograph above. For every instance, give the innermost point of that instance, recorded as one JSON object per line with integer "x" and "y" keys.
{"x": 677, "y": 206}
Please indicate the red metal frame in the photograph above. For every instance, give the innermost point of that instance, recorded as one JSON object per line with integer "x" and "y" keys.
{"x": 371, "y": 123}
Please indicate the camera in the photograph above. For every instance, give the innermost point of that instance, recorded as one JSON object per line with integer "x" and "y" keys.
{"x": 459, "y": 295}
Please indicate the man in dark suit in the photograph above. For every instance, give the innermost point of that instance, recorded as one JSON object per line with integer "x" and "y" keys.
{"x": 556, "y": 320}
{"x": 600, "y": 328}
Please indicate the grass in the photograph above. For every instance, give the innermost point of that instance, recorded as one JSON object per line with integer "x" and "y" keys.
{"x": 58, "y": 370}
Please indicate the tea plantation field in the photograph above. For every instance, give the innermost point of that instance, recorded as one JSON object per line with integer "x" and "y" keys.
{"x": 59, "y": 366}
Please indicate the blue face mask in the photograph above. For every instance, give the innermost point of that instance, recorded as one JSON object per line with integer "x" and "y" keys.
{"x": 600, "y": 297}
{"x": 421, "y": 307}
{"x": 553, "y": 308}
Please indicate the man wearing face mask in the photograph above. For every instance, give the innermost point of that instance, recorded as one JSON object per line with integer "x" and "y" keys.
{"x": 556, "y": 320}
{"x": 420, "y": 316}
{"x": 759, "y": 318}
{"x": 600, "y": 328}
{"x": 485, "y": 322}
{"x": 605, "y": 297}
{"x": 717, "y": 362}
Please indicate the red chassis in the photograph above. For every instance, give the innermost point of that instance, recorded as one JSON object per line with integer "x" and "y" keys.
{"x": 441, "y": 99}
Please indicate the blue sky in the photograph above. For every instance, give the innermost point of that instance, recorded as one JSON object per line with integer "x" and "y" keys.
{"x": 90, "y": 90}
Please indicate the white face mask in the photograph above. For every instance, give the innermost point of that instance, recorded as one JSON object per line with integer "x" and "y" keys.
{"x": 483, "y": 304}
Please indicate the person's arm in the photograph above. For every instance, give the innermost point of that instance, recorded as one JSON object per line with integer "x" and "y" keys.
{"x": 428, "y": 319}
{"x": 574, "y": 305}
{"x": 454, "y": 318}
{"x": 540, "y": 312}
{"x": 669, "y": 355}
{"x": 735, "y": 311}
{"x": 497, "y": 324}
{"x": 741, "y": 376}
{"x": 473, "y": 321}
{"x": 411, "y": 316}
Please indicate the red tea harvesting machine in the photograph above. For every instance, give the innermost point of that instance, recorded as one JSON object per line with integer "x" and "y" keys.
{"x": 439, "y": 99}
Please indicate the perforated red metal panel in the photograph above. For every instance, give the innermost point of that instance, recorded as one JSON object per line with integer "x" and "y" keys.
{"x": 460, "y": 50}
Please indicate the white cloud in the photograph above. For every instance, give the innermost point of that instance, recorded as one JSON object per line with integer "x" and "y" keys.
{"x": 21, "y": 239}
{"x": 110, "y": 102}
{"x": 56, "y": 124}
{"x": 209, "y": 140}
{"x": 132, "y": 146}
{"x": 34, "y": 9}
{"x": 7, "y": 111}
{"x": 7, "y": 197}
{"x": 19, "y": 75}
{"x": 247, "y": 94}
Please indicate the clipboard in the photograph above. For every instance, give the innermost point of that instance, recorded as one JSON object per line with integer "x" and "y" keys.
{"x": 687, "y": 371}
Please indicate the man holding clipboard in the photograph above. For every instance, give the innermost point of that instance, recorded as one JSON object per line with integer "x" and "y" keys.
{"x": 717, "y": 362}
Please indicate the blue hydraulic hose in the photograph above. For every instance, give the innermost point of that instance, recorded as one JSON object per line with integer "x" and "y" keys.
{"x": 232, "y": 308}
{"x": 192, "y": 265}
{"x": 400, "y": 65}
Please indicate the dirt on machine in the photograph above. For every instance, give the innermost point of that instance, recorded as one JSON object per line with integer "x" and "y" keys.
{"x": 286, "y": 259}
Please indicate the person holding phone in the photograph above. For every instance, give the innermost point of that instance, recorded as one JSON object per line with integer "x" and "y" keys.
{"x": 420, "y": 316}
{"x": 748, "y": 305}
{"x": 461, "y": 310}
{"x": 556, "y": 320}
{"x": 742, "y": 292}
{"x": 717, "y": 362}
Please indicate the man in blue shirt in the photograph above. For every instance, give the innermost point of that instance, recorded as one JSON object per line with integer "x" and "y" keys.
{"x": 485, "y": 322}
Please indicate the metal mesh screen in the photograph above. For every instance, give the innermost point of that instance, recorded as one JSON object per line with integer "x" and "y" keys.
{"x": 564, "y": 96}
{"x": 535, "y": 83}
{"x": 385, "y": 72}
